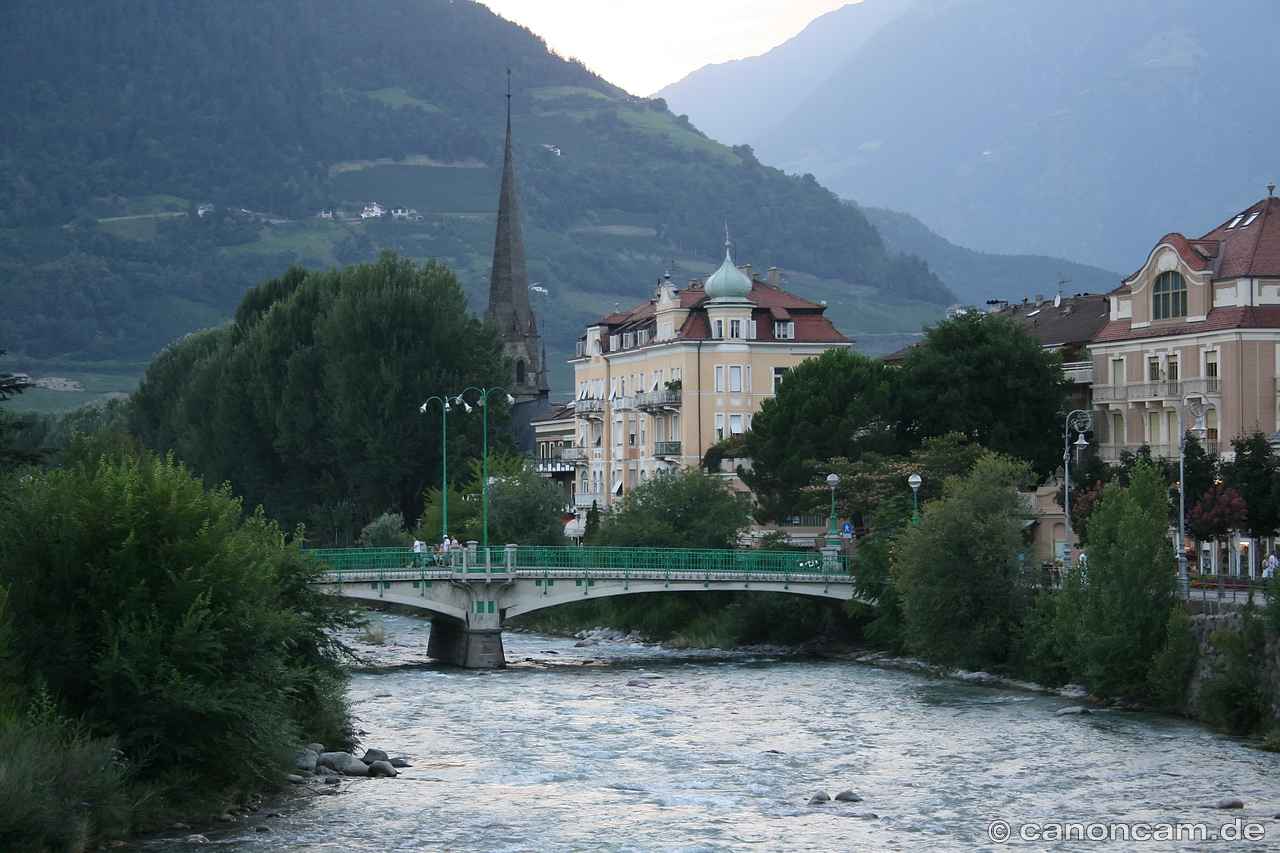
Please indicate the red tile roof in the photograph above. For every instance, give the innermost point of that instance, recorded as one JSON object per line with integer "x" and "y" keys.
{"x": 1250, "y": 317}
{"x": 1247, "y": 244}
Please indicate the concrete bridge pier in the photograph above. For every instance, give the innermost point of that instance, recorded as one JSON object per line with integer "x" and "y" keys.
{"x": 476, "y": 642}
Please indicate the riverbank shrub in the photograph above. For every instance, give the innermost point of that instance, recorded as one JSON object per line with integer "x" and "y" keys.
{"x": 1235, "y": 696}
{"x": 156, "y": 615}
{"x": 959, "y": 572}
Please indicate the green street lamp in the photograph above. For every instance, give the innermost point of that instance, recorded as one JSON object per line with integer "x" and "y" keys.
{"x": 1078, "y": 421}
{"x": 914, "y": 482}
{"x": 833, "y": 535}
{"x": 1199, "y": 407}
{"x": 444, "y": 463}
{"x": 484, "y": 487}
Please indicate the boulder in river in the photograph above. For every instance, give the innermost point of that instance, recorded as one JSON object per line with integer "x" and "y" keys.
{"x": 383, "y": 768}
{"x": 639, "y": 682}
{"x": 1229, "y": 803}
{"x": 847, "y": 796}
{"x": 819, "y": 798}
{"x": 1073, "y": 711}
{"x": 372, "y": 755}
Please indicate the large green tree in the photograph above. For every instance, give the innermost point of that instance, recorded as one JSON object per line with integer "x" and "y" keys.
{"x": 838, "y": 405}
{"x": 308, "y": 403}
{"x": 960, "y": 573}
{"x": 679, "y": 509}
{"x": 11, "y": 457}
{"x": 152, "y": 611}
{"x": 986, "y": 377}
{"x": 1254, "y": 473}
{"x": 1112, "y": 617}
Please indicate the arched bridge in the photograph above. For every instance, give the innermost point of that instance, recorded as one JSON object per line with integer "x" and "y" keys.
{"x": 469, "y": 592}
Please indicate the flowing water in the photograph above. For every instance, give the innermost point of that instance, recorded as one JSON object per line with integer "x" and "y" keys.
{"x": 723, "y": 751}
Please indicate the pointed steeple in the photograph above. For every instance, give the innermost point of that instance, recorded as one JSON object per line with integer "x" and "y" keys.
{"x": 509, "y": 305}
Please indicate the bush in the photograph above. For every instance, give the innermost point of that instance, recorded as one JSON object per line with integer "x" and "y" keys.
{"x": 191, "y": 635}
{"x": 386, "y": 531}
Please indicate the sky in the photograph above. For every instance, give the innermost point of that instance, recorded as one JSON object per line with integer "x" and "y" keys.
{"x": 643, "y": 45}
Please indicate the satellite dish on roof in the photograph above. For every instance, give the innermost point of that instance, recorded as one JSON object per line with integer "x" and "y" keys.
{"x": 1057, "y": 301}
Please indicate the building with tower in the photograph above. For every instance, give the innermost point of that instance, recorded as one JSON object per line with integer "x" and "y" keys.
{"x": 660, "y": 384}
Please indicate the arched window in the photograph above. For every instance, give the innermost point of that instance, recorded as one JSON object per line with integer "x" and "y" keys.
{"x": 1169, "y": 296}
{"x": 520, "y": 372}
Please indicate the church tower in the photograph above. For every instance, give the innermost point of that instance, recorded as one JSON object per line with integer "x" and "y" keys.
{"x": 510, "y": 309}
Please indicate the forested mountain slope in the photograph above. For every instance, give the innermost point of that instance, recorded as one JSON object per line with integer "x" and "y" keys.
{"x": 120, "y": 118}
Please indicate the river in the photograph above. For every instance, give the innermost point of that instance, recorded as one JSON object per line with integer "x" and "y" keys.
{"x": 723, "y": 751}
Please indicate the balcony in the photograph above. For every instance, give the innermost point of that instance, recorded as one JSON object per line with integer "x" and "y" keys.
{"x": 573, "y": 454}
{"x": 586, "y": 499}
{"x": 666, "y": 448}
{"x": 657, "y": 401}
{"x": 589, "y": 408}
{"x": 554, "y": 465}
{"x": 1079, "y": 372}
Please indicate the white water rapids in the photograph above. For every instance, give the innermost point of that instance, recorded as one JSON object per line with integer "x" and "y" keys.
{"x": 723, "y": 751}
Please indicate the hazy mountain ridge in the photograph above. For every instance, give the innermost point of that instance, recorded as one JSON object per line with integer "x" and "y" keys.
{"x": 1083, "y": 130}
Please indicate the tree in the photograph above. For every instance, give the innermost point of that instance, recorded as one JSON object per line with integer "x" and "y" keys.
{"x": 1254, "y": 473}
{"x": 182, "y": 628}
{"x": 11, "y": 457}
{"x": 865, "y": 485}
{"x": 525, "y": 508}
{"x": 309, "y": 402}
{"x": 679, "y": 509}
{"x": 1220, "y": 511}
{"x": 836, "y": 405}
{"x": 986, "y": 377}
{"x": 1114, "y": 614}
{"x": 959, "y": 573}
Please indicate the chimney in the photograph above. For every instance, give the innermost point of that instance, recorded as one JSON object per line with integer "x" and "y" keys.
{"x": 772, "y": 277}
{"x": 1039, "y": 298}
{"x": 749, "y": 271}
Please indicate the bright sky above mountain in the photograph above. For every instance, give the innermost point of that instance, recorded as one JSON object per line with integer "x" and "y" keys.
{"x": 643, "y": 45}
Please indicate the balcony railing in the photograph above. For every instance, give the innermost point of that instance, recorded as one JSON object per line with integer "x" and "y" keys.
{"x": 1080, "y": 372}
{"x": 666, "y": 448}
{"x": 1162, "y": 389}
{"x": 588, "y": 498}
{"x": 573, "y": 454}
{"x": 663, "y": 399}
{"x": 589, "y": 408}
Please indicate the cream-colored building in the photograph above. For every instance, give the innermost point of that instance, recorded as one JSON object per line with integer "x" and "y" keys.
{"x": 656, "y": 386}
{"x": 1200, "y": 318}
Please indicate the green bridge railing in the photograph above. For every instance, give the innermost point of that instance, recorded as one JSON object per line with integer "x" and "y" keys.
{"x": 584, "y": 559}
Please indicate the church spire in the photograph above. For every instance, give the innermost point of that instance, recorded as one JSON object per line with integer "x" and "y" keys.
{"x": 509, "y": 305}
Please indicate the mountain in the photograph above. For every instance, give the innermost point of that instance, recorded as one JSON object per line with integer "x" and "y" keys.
{"x": 977, "y": 277}
{"x": 1083, "y": 130}
{"x": 157, "y": 159}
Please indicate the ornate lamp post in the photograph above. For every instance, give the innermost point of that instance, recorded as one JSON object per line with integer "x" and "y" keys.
{"x": 833, "y": 535}
{"x": 1198, "y": 407}
{"x": 444, "y": 463}
{"x": 914, "y": 482}
{"x": 484, "y": 487}
{"x": 1081, "y": 422}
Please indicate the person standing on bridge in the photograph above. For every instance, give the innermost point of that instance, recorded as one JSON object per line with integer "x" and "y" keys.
{"x": 417, "y": 552}
{"x": 444, "y": 550}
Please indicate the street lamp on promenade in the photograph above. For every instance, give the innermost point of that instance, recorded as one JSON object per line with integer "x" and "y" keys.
{"x": 833, "y": 535}
{"x": 914, "y": 482}
{"x": 444, "y": 462}
{"x": 484, "y": 488}
{"x": 1198, "y": 406}
{"x": 1077, "y": 421}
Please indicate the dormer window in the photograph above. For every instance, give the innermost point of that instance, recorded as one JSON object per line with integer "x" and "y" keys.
{"x": 1169, "y": 296}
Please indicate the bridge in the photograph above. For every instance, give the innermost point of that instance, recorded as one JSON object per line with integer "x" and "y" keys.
{"x": 470, "y": 592}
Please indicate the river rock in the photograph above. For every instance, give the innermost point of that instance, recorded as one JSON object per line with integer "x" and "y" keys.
{"x": 262, "y": 828}
{"x": 399, "y": 762}
{"x": 372, "y": 755}
{"x": 195, "y": 839}
{"x": 317, "y": 748}
{"x": 819, "y": 798}
{"x": 1229, "y": 803}
{"x": 1073, "y": 711}
{"x": 336, "y": 760}
{"x": 639, "y": 682}
{"x": 586, "y": 644}
{"x": 295, "y": 779}
{"x": 305, "y": 759}
{"x": 848, "y": 797}
{"x": 355, "y": 767}
{"x": 382, "y": 768}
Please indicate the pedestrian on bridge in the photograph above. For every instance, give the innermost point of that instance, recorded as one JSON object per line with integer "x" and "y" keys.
{"x": 418, "y": 547}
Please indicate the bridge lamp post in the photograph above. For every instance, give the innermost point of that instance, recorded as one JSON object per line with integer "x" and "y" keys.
{"x": 1198, "y": 407}
{"x": 833, "y": 535}
{"x": 484, "y": 487}
{"x": 914, "y": 482}
{"x": 444, "y": 462}
{"x": 1081, "y": 422}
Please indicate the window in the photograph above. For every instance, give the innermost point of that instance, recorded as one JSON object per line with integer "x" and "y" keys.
{"x": 735, "y": 328}
{"x": 719, "y": 426}
{"x": 717, "y": 329}
{"x": 1169, "y": 296}
{"x": 784, "y": 331}
{"x": 1153, "y": 369}
{"x": 719, "y": 377}
{"x": 735, "y": 378}
{"x": 1117, "y": 371}
{"x": 778, "y": 373}
{"x": 1173, "y": 368}
{"x": 1117, "y": 428}
{"x": 735, "y": 425}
